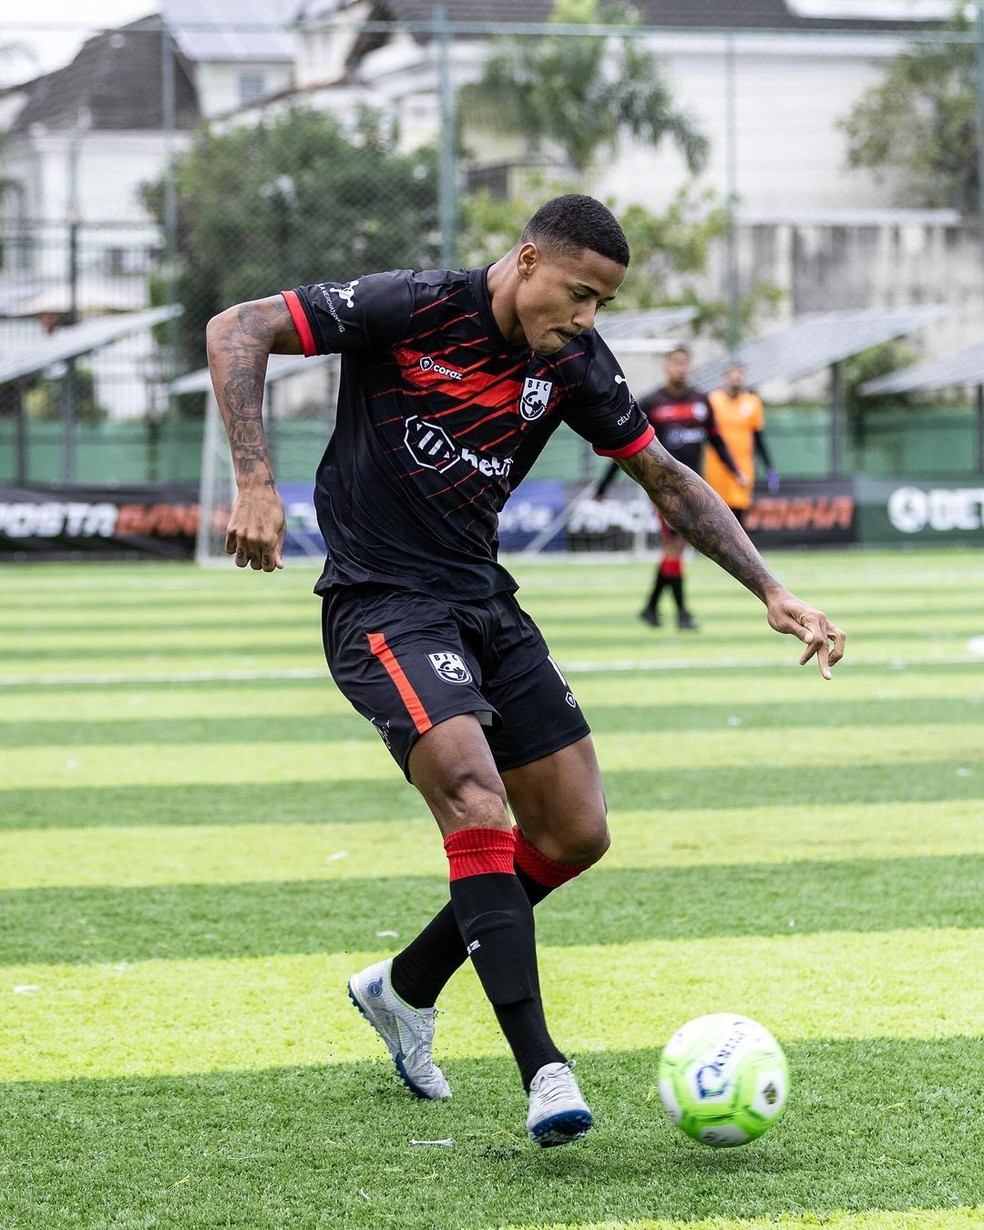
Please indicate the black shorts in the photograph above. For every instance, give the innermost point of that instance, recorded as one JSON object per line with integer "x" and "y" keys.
{"x": 407, "y": 661}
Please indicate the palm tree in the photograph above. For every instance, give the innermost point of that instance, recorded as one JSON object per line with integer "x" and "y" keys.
{"x": 581, "y": 93}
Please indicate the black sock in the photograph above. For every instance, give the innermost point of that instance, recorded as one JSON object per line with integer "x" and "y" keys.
{"x": 496, "y": 922}
{"x": 658, "y": 588}
{"x": 676, "y": 588}
{"x": 421, "y": 971}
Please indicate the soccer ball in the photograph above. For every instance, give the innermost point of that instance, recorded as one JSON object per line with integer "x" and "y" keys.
{"x": 723, "y": 1079}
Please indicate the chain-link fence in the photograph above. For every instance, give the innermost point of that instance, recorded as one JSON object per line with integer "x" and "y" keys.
{"x": 765, "y": 164}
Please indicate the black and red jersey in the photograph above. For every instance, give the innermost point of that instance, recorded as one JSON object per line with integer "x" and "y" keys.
{"x": 683, "y": 422}
{"x": 439, "y": 419}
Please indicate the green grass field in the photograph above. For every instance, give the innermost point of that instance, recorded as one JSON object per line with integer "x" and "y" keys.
{"x": 199, "y": 842}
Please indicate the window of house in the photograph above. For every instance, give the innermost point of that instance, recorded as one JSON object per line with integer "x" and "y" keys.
{"x": 251, "y": 87}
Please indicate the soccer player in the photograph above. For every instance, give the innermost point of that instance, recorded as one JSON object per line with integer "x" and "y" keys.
{"x": 740, "y": 419}
{"x": 683, "y": 421}
{"x": 452, "y": 382}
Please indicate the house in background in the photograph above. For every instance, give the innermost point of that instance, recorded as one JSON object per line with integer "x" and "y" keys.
{"x": 768, "y": 82}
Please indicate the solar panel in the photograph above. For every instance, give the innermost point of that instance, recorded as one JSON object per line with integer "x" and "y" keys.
{"x": 644, "y": 323}
{"x": 963, "y": 367}
{"x": 74, "y": 340}
{"x": 815, "y": 341}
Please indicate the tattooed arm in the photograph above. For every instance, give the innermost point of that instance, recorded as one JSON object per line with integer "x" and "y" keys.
{"x": 707, "y": 523}
{"x": 239, "y": 341}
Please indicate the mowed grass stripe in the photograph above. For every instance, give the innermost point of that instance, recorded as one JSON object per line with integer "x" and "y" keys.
{"x": 260, "y": 1149}
{"x": 112, "y": 924}
{"x": 359, "y": 799}
{"x": 674, "y": 692}
{"x": 128, "y": 611}
{"x": 216, "y": 854}
{"x": 604, "y": 719}
{"x": 881, "y": 1219}
{"x": 327, "y": 760}
{"x": 197, "y": 1016}
{"x": 270, "y": 634}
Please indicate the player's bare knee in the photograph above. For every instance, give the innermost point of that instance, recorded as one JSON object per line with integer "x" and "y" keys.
{"x": 469, "y": 798}
{"x": 588, "y": 842}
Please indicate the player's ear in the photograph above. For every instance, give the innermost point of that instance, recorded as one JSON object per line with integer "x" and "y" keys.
{"x": 527, "y": 259}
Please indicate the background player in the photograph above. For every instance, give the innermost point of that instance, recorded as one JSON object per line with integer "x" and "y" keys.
{"x": 452, "y": 383}
{"x": 683, "y": 422}
{"x": 740, "y": 419}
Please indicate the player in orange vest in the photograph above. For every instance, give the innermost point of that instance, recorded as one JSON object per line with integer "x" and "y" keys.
{"x": 741, "y": 421}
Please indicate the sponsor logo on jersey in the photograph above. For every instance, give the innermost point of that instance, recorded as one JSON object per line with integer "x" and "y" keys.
{"x": 345, "y": 292}
{"x": 534, "y": 398}
{"x": 429, "y": 444}
{"x": 450, "y": 667}
{"x": 427, "y": 364}
{"x": 432, "y": 447}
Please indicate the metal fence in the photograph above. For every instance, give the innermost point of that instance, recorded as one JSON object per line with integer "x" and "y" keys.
{"x": 734, "y": 156}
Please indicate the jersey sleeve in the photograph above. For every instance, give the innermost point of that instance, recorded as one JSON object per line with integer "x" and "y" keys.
{"x": 604, "y": 411}
{"x": 367, "y": 312}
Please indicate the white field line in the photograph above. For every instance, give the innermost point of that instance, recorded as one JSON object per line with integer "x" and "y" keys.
{"x": 640, "y": 665}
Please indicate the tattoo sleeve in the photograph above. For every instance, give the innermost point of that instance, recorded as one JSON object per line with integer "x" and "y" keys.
{"x": 240, "y": 341}
{"x": 700, "y": 515}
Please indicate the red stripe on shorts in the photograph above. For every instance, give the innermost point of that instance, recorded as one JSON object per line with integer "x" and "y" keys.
{"x": 377, "y": 643}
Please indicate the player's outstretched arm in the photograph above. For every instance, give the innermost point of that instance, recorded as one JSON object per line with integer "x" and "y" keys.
{"x": 706, "y": 522}
{"x": 240, "y": 340}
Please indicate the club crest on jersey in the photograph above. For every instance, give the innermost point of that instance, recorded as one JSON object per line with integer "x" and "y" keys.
{"x": 450, "y": 667}
{"x": 534, "y": 398}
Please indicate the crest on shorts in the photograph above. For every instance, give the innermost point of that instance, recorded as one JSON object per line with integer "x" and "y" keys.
{"x": 450, "y": 667}
{"x": 533, "y": 399}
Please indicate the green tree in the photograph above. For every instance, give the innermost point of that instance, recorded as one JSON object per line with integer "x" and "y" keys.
{"x": 919, "y": 124}
{"x": 670, "y": 250}
{"x": 288, "y": 201}
{"x": 580, "y": 93}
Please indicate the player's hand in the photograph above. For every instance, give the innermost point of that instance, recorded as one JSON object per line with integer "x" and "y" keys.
{"x": 788, "y": 614}
{"x": 257, "y": 528}
{"x": 772, "y": 480}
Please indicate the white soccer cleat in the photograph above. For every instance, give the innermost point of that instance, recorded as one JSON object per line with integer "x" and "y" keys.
{"x": 408, "y": 1032}
{"x": 558, "y": 1113}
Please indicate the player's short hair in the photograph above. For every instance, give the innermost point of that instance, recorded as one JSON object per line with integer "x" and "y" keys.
{"x": 574, "y": 222}
{"x": 678, "y": 349}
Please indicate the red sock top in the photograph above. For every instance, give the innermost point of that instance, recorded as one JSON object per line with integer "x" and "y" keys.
{"x": 541, "y": 868}
{"x": 480, "y": 852}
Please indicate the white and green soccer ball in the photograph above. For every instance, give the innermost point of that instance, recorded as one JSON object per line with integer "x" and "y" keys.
{"x": 723, "y": 1079}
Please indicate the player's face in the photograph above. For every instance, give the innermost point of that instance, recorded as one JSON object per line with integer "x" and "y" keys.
{"x": 560, "y": 293}
{"x": 677, "y": 367}
{"x": 734, "y": 380}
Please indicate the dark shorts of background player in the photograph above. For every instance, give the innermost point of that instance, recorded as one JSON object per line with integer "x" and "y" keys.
{"x": 408, "y": 661}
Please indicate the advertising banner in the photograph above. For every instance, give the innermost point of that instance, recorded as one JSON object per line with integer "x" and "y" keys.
{"x": 75, "y": 522}
{"x": 810, "y": 512}
{"x": 805, "y": 513}
{"x": 928, "y": 512}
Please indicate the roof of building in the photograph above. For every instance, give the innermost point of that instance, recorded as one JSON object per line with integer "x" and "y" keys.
{"x": 115, "y": 82}
{"x": 75, "y": 340}
{"x": 817, "y": 340}
{"x": 670, "y": 14}
{"x": 250, "y": 31}
{"x": 965, "y": 367}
